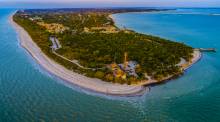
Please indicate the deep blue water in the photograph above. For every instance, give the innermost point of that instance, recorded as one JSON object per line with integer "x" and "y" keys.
{"x": 28, "y": 93}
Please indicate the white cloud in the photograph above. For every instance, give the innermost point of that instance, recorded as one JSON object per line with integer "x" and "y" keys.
{"x": 104, "y": 3}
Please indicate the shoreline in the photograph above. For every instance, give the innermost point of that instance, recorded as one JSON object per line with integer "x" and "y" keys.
{"x": 90, "y": 84}
{"x": 197, "y": 55}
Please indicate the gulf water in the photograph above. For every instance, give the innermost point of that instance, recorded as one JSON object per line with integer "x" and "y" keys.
{"x": 29, "y": 93}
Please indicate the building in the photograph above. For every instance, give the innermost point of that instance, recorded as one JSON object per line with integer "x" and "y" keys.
{"x": 117, "y": 72}
{"x": 53, "y": 27}
{"x": 36, "y": 18}
{"x": 129, "y": 68}
{"x": 126, "y": 69}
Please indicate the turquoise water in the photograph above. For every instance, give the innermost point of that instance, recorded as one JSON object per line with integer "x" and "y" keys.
{"x": 28, "y": 93}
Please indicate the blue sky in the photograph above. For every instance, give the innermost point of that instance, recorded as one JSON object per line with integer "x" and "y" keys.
{"x": 108, "y": 3}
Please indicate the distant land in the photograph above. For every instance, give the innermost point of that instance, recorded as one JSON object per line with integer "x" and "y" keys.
{"x": 85, "y": 47}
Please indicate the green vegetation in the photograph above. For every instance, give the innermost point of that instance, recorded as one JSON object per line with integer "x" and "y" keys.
{"x": 97, "y": 48}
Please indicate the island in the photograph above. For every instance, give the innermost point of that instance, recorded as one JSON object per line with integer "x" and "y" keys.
{"x": 86, "y": 48}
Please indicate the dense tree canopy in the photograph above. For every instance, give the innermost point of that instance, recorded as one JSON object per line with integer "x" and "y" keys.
{"x": 156, "y": 56}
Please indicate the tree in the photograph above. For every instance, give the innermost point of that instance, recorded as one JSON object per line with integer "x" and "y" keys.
{"x": 99, "y": 74}
{"x": 109, "y": 77}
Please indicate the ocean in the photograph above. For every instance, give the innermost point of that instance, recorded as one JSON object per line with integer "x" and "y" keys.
{"x": 29, "y": 93}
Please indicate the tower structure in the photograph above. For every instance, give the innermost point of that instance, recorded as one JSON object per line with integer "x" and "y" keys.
{"x": 125, "y": 60}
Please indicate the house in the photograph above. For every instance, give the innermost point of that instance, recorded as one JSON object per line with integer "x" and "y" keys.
{"x": 117, "y": 72}
{"x": 129, "y": 68}
{"x": 124, "y": 69}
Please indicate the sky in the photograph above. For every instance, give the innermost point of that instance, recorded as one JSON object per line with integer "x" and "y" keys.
{"x": 107, "y": 3}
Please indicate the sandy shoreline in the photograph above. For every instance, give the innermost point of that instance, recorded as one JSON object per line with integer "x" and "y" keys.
{"x": 56, "y": 69}
{"x": 196, "y": 57}
{"x": 91, "y": 84}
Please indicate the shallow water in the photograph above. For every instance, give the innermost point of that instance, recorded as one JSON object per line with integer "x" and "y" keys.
{"x": 195, "y": 96}
{"x": 28, "y": 93}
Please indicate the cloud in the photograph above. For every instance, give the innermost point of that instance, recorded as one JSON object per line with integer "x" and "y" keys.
{"x": 109, "y": 3}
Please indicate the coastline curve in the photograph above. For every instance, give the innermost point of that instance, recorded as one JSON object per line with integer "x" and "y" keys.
{"x": 90, "y": 84}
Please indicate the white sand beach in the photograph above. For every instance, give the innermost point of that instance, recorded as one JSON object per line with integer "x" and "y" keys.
{"x": 91, "y": 84}
{"x": 51, "y": 66}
